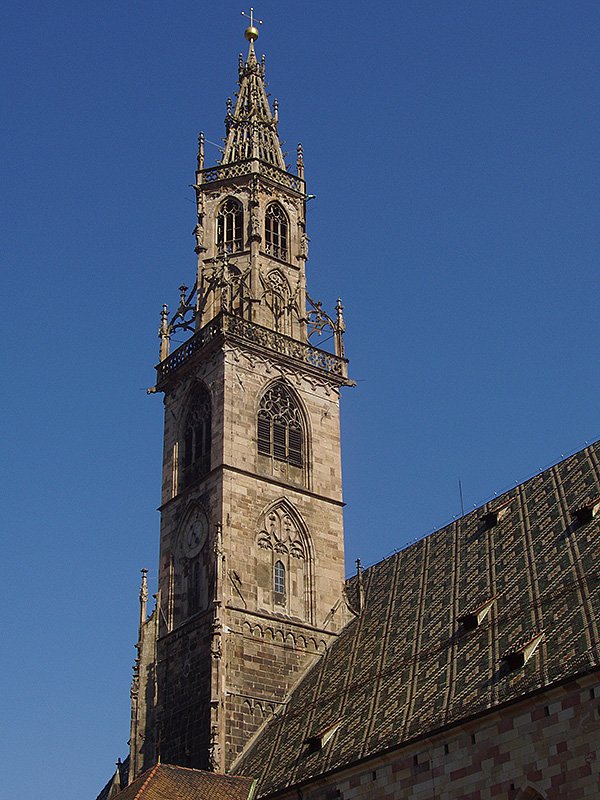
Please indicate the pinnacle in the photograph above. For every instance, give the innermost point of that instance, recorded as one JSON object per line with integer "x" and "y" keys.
{"x": 252, "y": 126}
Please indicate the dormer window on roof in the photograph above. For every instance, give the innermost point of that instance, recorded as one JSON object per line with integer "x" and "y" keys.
{"x": 587, "y": 511}
{"x": 318, "y": 740}
{"x": 492, "y": 518}
{"x": 519, "y": 655}
{"x": 473, "y": 619}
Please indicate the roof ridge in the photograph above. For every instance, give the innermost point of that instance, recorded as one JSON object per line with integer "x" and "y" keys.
{"x": 204, "y": 771}
{"x": 151, "y": 773}
{"x": 490, "y": 499}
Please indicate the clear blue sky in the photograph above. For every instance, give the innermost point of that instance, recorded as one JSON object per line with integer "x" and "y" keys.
{"x": 453, "y": 148}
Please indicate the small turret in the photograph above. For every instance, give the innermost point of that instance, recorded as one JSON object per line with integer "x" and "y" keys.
{"x": 115, "y": 784}
{"x": 143, "y": 599}
{"x": 300, "y": 162}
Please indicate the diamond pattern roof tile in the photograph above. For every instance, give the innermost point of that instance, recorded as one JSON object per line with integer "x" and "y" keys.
{"x": 406, "y": 667}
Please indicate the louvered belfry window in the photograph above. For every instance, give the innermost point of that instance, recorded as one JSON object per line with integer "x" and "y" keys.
{"x": 280, "y": 426}
{"x": 197, "y": 437}
{"x": 276, "y": 232}
{"x": 230, "y": 224}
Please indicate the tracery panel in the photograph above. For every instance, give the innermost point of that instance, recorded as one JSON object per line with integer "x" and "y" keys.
{"x": 280, "y": 426}
{"x": 230, "y": 226}
{"x": 276, "y": 232}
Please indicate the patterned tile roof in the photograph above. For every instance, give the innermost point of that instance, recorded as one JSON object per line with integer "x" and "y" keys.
{"x": 165, "y": 782}
{"x": 410, "y": 663}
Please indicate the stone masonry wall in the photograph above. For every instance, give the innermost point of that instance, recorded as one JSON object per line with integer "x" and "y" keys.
{"x": 250, "y": 490}
{"x": 271, "y": 641}
{"x": 184, "y": 679}
{"x": 184, "y": 662}
{"x": 265, "y": 658}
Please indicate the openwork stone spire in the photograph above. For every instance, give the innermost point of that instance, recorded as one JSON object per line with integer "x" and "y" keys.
{"x": 252, "y": 127}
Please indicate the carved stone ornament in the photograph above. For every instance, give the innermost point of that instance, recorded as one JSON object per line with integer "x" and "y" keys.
{"x": 279, "y": 532}
{"x": 293, "y": 375}
{"x": 216, "y": 651}
{"x": 255, "y": 225}
{"x": 199, "y": 235}
{"x": 214, "y": 750}
{"x": 278, "y": 282}
{"x": 304, "y": 240}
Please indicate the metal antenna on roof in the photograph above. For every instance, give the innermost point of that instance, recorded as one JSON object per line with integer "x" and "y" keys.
{"x": 462, "y": 505}
{"x": 361, "y": 588}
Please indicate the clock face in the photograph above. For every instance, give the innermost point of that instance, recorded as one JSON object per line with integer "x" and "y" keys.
{"x": 195, "y": 533}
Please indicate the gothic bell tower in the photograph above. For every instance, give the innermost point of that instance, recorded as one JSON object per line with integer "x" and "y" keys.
{"x": 251, "y": 565}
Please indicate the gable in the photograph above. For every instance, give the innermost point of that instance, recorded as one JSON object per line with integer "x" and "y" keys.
{"x": 166, "y": 782}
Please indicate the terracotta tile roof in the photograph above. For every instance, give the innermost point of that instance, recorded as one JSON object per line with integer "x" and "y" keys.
{"x": 407, "y": 665}
{"x": 166, "y": 782}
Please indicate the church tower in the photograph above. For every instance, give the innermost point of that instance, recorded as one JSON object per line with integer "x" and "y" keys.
{"x": 251, "y": 567}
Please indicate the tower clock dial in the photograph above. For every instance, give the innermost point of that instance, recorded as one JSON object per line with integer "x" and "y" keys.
{"x": 195, "y": 534}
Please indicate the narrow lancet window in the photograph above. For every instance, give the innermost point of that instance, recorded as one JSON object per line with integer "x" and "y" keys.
{"x": 280, "y": 432}
{"x": 276, "y": 232}
{"x": 230, "y": 226}
{"x": 279, "y": 578}
{"x": 197, "y": 437}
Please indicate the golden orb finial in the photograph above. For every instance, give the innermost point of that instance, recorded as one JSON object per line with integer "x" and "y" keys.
{"x": 251, "y": 32}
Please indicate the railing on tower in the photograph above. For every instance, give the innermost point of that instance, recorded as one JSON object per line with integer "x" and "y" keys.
{"x": 248, "y": 166}
{"x": 255, "y": 334}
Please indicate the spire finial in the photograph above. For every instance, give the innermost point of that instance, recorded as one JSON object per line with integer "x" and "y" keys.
{"x": 251, "y": 127}
{"x": 143, "y": 599}
{"x": 251, "y": 32}
{"x": 300, "y": 162}
{"x": 200, "y": 151}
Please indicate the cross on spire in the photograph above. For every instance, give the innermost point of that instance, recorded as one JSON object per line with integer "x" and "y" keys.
{"x": 250, "y": 16}
{"x": 251, "y": 32}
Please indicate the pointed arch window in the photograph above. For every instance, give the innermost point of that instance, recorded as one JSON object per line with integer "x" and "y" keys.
{"x": 230, "y": 226}
{"x": 280, "y": 429}
{"x": 276, "y": 232}
{"x": 279, "y": 578}
{"x": 197, "y": 437}
{"x": 284, "y": 562}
